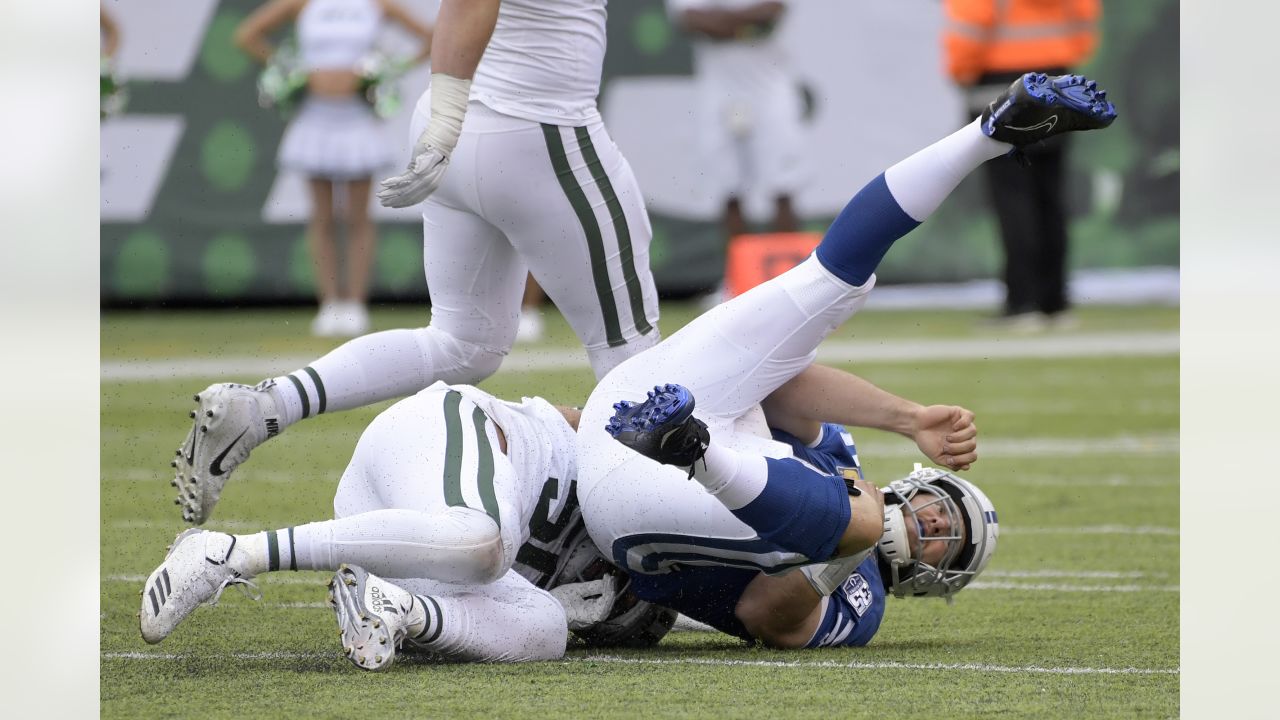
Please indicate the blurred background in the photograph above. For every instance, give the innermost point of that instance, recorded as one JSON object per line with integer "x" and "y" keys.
{"x": 195, "y": 212}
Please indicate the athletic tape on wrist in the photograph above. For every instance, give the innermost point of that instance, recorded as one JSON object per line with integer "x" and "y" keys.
{"x": 448, "y": 107}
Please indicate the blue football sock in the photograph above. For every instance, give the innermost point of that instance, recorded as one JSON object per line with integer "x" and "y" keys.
{"x": 864, "y": 231}
{"x": 800, "y": 510}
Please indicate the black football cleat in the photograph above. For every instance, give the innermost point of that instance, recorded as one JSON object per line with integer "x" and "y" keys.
{"x": 662, "y": 428}
{"x": 1037, "y": 106}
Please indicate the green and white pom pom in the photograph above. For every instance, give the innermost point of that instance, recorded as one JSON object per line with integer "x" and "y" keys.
{"x": 283, "y": 81}
{"x": 379, "y": 74}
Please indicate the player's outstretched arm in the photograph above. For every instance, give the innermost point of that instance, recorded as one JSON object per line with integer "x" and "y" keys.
{"x": 946, "y": 434}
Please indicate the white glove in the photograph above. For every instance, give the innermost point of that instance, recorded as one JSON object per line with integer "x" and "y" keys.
{"x": 432, "y": 150}
{"x": 426, "y": 168}
{"x": 587, "y": 603}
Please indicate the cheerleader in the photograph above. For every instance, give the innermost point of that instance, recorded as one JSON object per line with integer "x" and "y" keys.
{"x": 334, "y": 139}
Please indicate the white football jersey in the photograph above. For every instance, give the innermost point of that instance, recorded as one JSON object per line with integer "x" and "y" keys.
{"x": 544, "y": 60}
{"x": 542, "y": 448}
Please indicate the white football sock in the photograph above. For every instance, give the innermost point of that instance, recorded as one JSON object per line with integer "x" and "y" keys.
{"x": 381, "y": 366}
{"x": 734, "y": 478}
{"x": 922, "y": 181}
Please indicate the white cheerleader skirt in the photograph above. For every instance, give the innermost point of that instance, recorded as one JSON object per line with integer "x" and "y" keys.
{"x": 335, "y": 138}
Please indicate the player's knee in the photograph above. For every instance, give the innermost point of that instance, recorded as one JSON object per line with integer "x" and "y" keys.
{"x": 478, "y": 546}
{"x": 461, "y": 361}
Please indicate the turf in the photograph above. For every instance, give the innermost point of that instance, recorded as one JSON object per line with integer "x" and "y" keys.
{"x": 1077, "y": 615}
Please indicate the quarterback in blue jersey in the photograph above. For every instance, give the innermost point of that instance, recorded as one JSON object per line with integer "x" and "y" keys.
{"x": 769, "y": 542}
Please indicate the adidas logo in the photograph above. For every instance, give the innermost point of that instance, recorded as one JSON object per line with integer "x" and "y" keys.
{"x": 273, "y": 427}
{"x": 379, "y": 602}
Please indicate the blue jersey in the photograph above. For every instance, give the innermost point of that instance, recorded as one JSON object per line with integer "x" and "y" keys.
{"x": 710, "y": 593}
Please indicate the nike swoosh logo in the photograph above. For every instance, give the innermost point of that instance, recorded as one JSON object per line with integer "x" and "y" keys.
{"x": 216, "y": 466}
{"x": 191, "y": 454}
{"x": 1047, "y": 124}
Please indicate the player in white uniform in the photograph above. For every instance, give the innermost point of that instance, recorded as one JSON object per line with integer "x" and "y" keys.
{"x": 535, "y": 185}
{"x": 441, "y": 492}
{"x": 764, "y": 505}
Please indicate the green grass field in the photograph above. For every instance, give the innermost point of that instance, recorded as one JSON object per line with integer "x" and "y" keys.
{"x": 1076, "y": 617}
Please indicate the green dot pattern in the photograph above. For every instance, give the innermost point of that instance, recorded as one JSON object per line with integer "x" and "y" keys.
{"x": 658, "y": 247}
{"x": 651, "y": 32}
{"x": 399, "y": 261}
{"x": 228, "y": 264}
{"x": 219, "y": 56}
{"x": 302, "y": 272}
{"x": 142, "y": 265}
{"x": 226, "y": 156}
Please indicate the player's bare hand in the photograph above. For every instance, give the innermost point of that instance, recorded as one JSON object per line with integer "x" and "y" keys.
{"x": 947, "y": 435}
{"x": 418, "y": 181}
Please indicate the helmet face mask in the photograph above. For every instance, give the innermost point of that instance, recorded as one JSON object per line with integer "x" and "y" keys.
{"x": 971, "y": 539}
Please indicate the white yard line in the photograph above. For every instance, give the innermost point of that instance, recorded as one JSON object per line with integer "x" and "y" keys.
{"x": 1055, "y": 587}
{"x": 1110, "y": 344}
{"x": 714, "y": 662}
{"x": 1090, "y": 530}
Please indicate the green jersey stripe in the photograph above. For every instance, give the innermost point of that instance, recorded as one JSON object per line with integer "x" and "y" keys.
{"x": 484, "y": 469}
{"x": 590, "y": 227}
{"x": 620, "y": 227}
{"x": 453, "y": 450}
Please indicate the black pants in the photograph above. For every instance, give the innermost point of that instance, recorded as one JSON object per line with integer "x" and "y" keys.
{"x": 1029, "y": 204}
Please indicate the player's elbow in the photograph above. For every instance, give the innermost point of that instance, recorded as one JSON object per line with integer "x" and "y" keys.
{"x": 763, "y": 621}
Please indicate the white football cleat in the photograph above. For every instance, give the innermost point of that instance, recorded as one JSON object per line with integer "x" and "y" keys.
{"x": 373, "y": 616}
{"x": 229, "y": 421}
{"x": 194, "y": 571}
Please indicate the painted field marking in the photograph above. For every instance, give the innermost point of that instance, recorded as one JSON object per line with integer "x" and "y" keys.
{"x": 615, "y": 660}
{"x": 1109, "y": 344}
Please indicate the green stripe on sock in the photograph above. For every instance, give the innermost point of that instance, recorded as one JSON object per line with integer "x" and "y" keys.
{"x": 595, "y": 245}
{"x": 302, "y": 393}
{"x": 315, "y": 377}
{"x": 439, "y": 620}
{"x": 273, "y": 551}
{"x": 620, "y": 227}
{"x": 293, "y": 554}
{"x": 453, "y": 450}
{"x": 484, "y": 467}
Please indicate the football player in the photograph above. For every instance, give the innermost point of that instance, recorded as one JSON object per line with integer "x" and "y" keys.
{"x": 767, "y": 495}
{"x": 536, "y": 185}
{"x": 467, "y": 502}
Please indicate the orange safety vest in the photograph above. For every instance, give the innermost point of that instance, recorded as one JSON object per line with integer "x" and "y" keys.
{"x": 994, "y": 36}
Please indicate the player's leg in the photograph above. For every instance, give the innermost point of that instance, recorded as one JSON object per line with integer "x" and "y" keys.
{"x": 474, "y": 279}
{"x": 324, "y": 255}
{"x": 508, "y": 620}
{"x": 425, "y": 494}
{"x": 738, "y": 353}
{"x": 361, "y": 244}
{"x": 570, "y": 205}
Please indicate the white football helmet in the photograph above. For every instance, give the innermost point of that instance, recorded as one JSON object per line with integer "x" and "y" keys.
{"x": 974, "y": 526}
